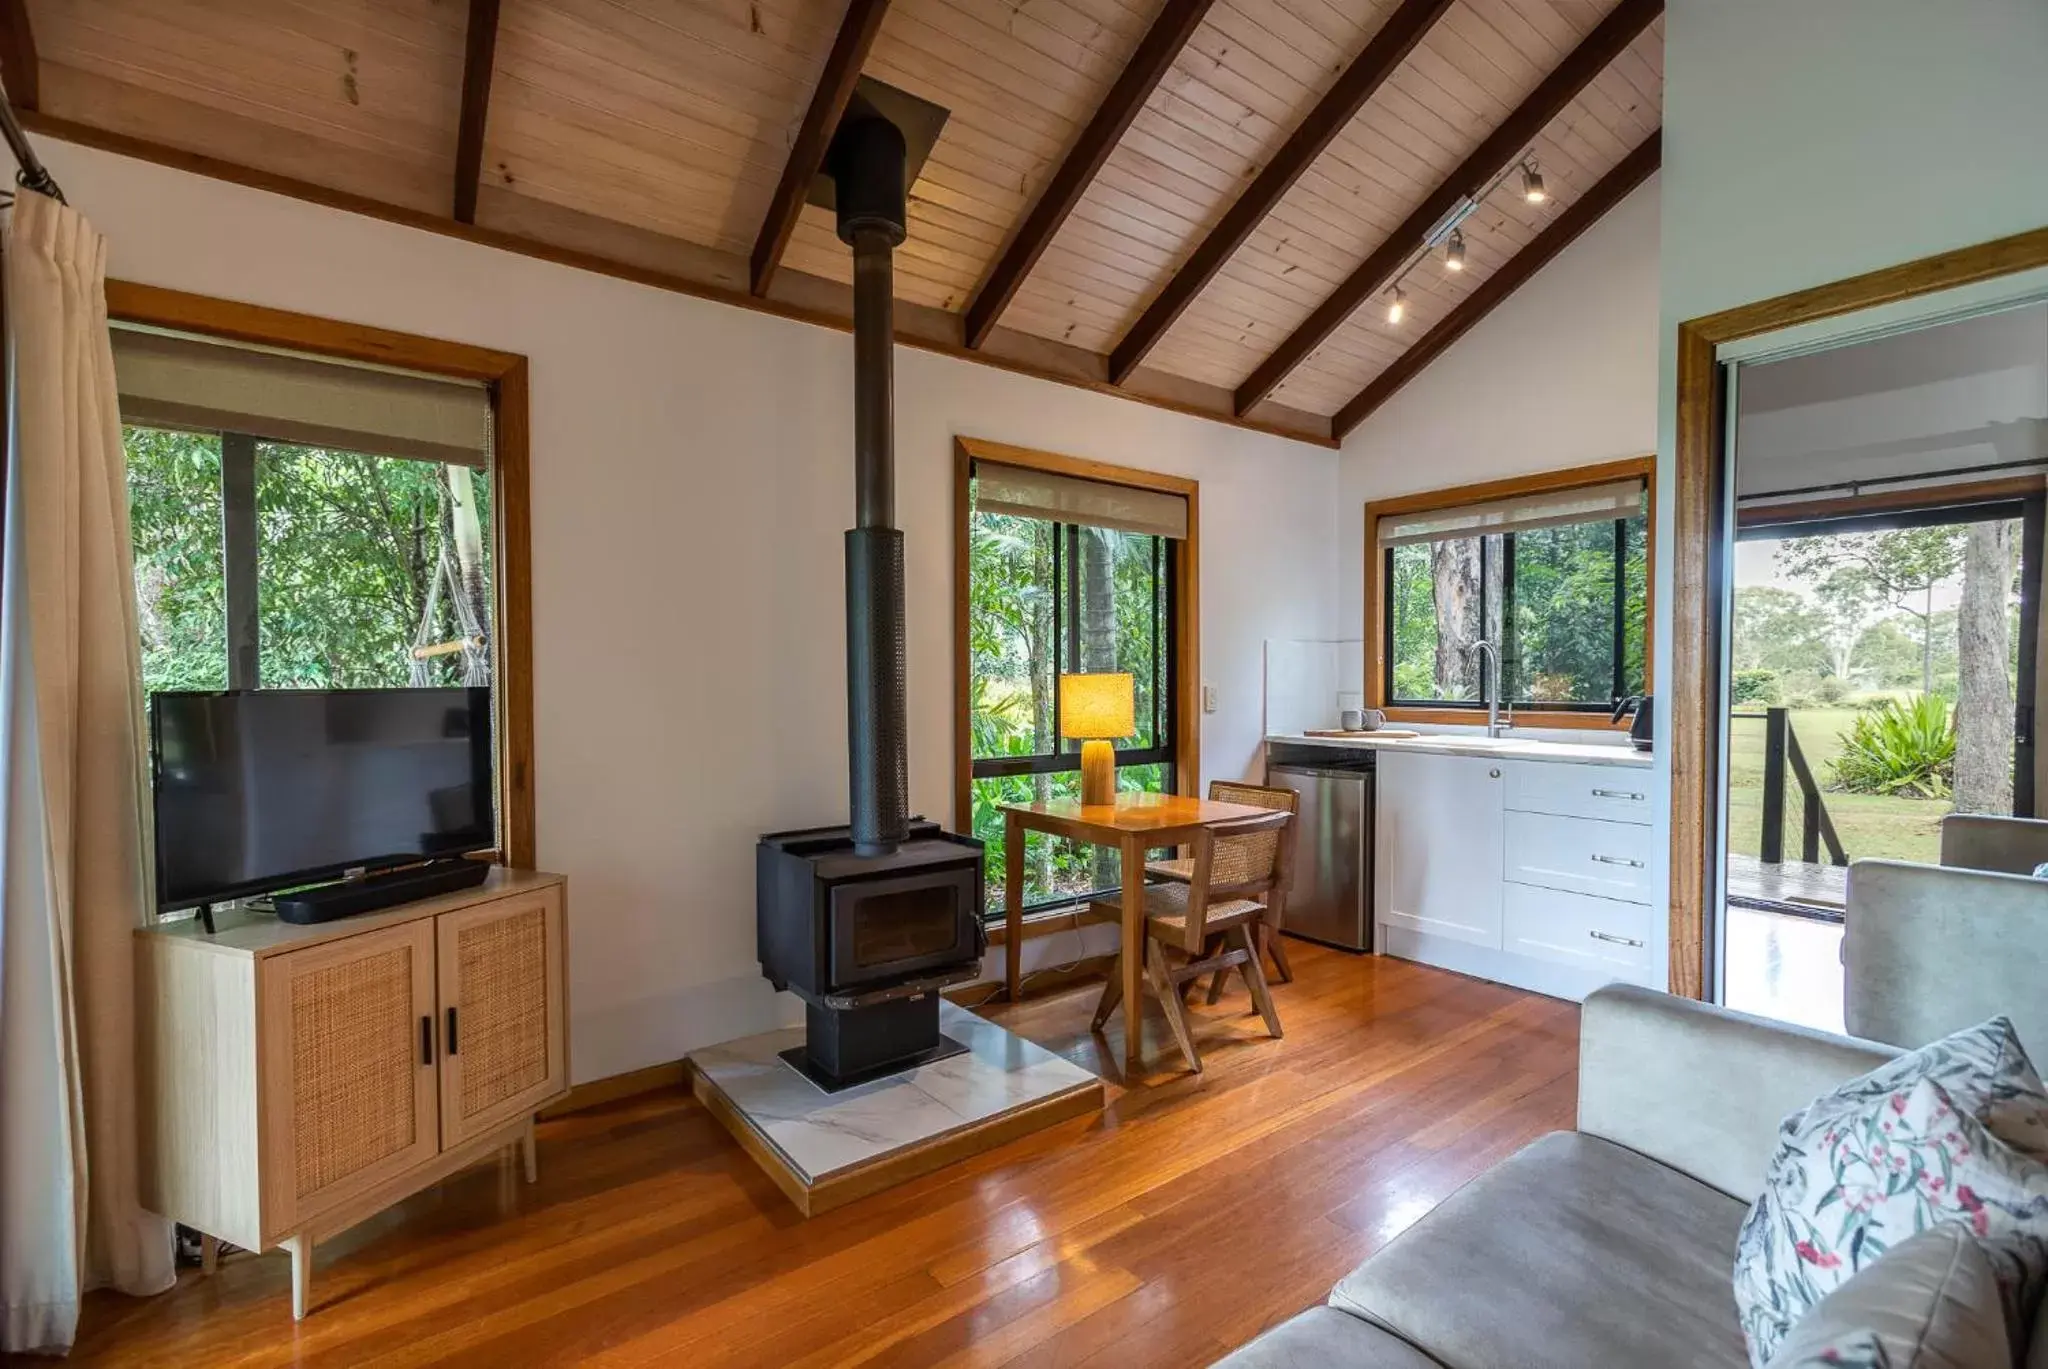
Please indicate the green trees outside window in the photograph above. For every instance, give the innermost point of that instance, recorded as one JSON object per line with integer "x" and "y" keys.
{"x": 1566, "y": 604}
{"x": 1047, "y": 598}
{"x": 358, "y": 561}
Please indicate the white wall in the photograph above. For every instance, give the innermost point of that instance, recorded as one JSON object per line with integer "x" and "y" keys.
{"x": 692, "y": 475}
{"x": 1562, "y": 374}
{"x": 1810, "y": 140}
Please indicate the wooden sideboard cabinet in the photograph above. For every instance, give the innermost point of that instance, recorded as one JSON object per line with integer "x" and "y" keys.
{"x": 297, "y": 1080}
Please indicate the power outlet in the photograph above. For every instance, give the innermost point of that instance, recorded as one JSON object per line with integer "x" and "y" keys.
{"x": 1208, "y": 698}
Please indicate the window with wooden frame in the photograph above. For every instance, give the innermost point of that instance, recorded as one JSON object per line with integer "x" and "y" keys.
{"x": 1553, "y": 570}
{"x": 319, "y": 504}
{"x": 1067, "y": 566}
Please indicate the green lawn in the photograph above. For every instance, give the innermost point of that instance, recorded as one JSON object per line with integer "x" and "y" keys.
{"x": 1868, "y": 824}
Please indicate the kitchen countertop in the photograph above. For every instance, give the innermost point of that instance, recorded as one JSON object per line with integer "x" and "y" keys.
{"x": 1509, "y": 748}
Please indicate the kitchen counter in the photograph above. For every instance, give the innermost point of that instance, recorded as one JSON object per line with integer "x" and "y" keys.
{"x": 1509, "y": 748}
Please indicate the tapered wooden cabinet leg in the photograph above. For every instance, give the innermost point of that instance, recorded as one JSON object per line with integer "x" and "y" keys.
{"x": 209, "y": 1255}
{"x": 530, "y": 1153}
{"x": 301, "y": 1248}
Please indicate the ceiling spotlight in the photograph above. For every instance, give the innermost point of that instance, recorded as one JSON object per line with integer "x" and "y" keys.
{"x": 1454, "y": 252}
{"x": 1532, "y": 183}
{"x": 1397, "y": 306}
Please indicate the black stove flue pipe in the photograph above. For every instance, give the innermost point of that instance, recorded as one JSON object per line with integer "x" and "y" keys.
{"x": 867, "y": 166}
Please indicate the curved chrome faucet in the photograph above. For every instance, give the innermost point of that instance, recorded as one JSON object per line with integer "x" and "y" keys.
{"x": 1494, "y": 726}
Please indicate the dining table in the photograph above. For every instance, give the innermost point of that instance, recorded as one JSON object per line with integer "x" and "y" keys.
{"x": 1135, "y": 824}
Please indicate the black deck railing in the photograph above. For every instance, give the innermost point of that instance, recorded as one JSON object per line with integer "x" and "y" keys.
{"x": 1816, "y": 828}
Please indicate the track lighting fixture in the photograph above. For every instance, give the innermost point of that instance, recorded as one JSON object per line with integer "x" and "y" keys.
{"x": 1454, "y": 252}
{"x": 1532, "y": 183}
{"x": 1397, "y": 306}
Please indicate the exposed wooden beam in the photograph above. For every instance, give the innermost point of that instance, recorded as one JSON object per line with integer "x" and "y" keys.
{"x": 1559, "y": 234}
{"x": 1506, "y": 143}
{"x": 1367, "y": 72}
{"x": 18, "y": 65}
{"x": 479, "y": 59}
{"x": 618, "y": 250}
{"x": 828, "y": 101}
{"x": 1155, "y": 55}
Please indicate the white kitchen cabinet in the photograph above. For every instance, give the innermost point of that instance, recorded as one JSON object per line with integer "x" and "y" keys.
{"x": 1439, "y": 846}
{"x": 1580, "y": 855}
{"x": 1604, "y": 936}
{"x": 1541, "y": 874}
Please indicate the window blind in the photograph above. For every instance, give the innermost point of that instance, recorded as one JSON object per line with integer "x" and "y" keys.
{"x": 169, "y": 380}
{"x": 1519, "y": 513}
{"x": 1027, "y": 493}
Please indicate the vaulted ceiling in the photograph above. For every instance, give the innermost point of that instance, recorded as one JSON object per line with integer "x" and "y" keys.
{"x": 1200, "y": 203}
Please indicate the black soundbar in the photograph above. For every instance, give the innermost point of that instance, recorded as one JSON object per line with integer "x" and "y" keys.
{"x": 346, "y": 899}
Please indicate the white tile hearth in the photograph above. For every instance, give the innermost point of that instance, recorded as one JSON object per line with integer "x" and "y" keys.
{"x": 821, "y": 1137}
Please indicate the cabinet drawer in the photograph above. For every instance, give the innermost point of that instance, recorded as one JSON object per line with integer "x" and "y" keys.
{"x": 1580, "y": 855}
{"x": 1575, "y": 929}
{"x": 1614, "y": 793}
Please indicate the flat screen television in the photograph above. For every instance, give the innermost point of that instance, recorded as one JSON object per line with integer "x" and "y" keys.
{"x": 268, "y": 789}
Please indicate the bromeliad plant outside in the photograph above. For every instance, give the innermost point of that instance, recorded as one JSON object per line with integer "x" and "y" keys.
{"x": 1907, "y": 749}
{"x": 1046, "y": 598}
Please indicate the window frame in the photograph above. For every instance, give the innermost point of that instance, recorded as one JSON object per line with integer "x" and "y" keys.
{"x": 511, "y": 499}
{"x": 1060, "y": 760}
{"x": 1182, "y": 626}
{"x": 1378, "y": 641}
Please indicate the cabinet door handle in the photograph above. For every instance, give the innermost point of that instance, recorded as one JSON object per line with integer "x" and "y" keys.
{"x": 1611, "y": 938}
{"x": 450, "y": 1046}
{"x": 1617, "y": 794}
{"x": 1619, "y": 860}
{"x": 427, "y": 1039}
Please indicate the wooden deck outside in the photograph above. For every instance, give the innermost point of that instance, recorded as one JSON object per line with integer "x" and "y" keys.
{"x": 1789, "y": 886}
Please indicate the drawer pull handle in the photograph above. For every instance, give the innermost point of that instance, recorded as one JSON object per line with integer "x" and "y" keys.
{"x": 1616, "y": 940}
{"x": 1617, "y": 794}
{"x": 1619, "y": 860}
{"x": 449, "y": 1045}
{"x": 427, "y": 1039}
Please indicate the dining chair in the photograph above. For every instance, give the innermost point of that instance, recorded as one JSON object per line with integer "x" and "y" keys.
{"x": 1209, "y": 924}
{"x": 1179, "y": 869}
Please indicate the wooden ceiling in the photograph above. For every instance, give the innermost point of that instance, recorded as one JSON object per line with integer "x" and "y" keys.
{"x": 1198, "y": 203}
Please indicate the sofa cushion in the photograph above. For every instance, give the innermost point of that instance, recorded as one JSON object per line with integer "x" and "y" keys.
{"x": 1930, "y": 1303}
{"x": 1952, "y": 1132}
{"x": 1322, "y": 1337}
{"x": 1573, "y": 1252}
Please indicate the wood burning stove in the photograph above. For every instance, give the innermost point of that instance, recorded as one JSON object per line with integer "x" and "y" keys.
{"x": 867, "y": 922}
{"x": 868, "y": 942}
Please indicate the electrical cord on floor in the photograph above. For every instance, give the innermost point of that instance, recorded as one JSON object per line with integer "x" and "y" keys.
{"x": 1024, "y": 981}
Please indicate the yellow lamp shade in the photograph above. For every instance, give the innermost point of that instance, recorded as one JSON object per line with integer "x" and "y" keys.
{"x": 1094, "y": 707}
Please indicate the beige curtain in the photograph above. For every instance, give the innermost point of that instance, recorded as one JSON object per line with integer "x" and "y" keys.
{"x": 73, "y": 846}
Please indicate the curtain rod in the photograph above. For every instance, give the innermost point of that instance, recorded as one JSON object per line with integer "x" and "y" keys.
{"x": 33, "y": 174}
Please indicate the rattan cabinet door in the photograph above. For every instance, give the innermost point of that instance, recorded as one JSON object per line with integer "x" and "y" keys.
{"x": 348, "y": 1078}
{"x": 503, "y": 1052}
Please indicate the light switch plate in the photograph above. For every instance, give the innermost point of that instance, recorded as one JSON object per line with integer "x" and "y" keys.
{"x": 1208, "y": 698}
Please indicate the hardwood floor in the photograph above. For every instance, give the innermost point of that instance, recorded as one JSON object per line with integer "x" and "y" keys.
{"x": 1166, "y": 1230}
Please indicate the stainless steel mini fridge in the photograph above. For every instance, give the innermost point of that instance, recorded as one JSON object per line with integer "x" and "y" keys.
{"x": 1331, "y": 900}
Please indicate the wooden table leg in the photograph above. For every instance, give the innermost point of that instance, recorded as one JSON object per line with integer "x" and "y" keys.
{"x": 1013, "y": 903}
{"x": 1134, "y": 948}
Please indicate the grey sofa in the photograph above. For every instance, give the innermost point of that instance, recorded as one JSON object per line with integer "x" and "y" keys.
{"x": 1610, "y": 1245}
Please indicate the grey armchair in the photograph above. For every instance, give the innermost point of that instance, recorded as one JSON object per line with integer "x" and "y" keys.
{"x": 1973, "y": 841}
{"x": 1930, "y": 949}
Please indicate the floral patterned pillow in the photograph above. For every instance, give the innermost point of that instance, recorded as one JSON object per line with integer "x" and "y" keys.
{"x": 1956, "y": 1131}
{"x": 1857, "y": 1350}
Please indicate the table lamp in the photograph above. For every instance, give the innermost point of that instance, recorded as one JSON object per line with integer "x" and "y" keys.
{"x": 1094, "y": 709}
